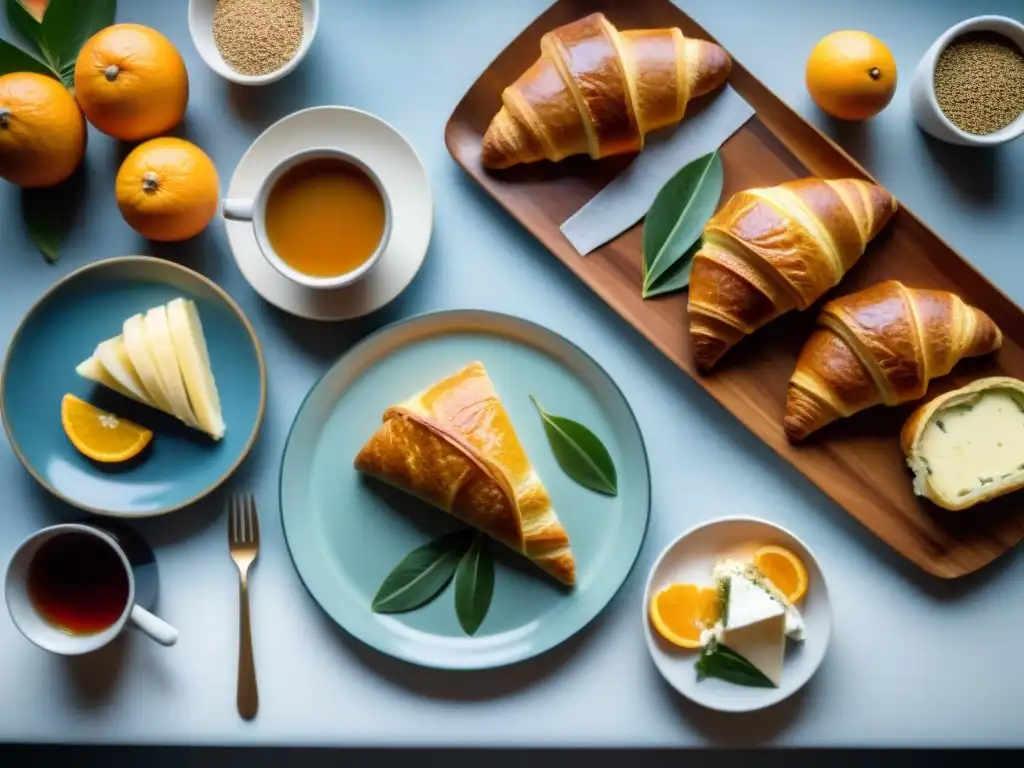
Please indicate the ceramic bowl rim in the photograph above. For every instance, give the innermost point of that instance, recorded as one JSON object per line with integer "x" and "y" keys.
{"x": 467, "y": 311}
{"x": 730, "y": 519}
{"x": 220, "y": 67}
{"x": 232, "y": 305}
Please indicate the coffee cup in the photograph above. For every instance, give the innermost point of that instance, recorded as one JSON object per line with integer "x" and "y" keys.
{"x": 254, "y": 210}
{"x": 72, "y": 588}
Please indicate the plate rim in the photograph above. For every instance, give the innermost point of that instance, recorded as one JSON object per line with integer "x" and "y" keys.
{"x": 649, "y": 633}
{"x": 468, "y": 313}
{"x": 317, "y": 314}
{"x": 224, "y": 296}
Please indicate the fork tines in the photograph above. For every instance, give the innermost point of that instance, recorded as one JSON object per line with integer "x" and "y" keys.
{"x": 243, "y": 522}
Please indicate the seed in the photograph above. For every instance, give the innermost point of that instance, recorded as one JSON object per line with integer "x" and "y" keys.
{"x": 257, "y": 37}
{"x": 979, "y": 82}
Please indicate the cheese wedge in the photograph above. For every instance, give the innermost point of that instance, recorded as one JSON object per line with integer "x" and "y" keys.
{"x": 93, "y": 370}
{"x": 762, "y": 643}
{"x": 194, "y": 360}
{"x": 113, "y": 356}
{"x": 136, "y": 341}
{"x": 158, "y": 333}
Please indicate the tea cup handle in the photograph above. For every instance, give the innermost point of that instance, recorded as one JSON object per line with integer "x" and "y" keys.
{"x": 238, "y": 209}
{"x": 156, "y": 628}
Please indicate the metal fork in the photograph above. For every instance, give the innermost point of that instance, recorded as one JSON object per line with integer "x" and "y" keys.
{"x": 244, "y": 543}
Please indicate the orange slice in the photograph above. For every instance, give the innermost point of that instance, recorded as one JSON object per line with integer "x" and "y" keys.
{"x": 784, "y": 569}
{"x": 681, "y": 611}
{"x": 100, "y": 435}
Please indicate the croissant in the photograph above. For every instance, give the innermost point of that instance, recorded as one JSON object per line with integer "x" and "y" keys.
{"x": 881, "y": 345}
{"x": 768, "y": 251}
{"x": 453, "y": 446}
{"x": 599, "y": 91}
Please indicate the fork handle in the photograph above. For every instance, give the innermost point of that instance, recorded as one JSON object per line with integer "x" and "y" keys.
{"x": 248, "y": 696}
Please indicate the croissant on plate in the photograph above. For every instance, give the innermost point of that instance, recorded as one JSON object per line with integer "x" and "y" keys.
{"x": 768, "y": 251}
{"x": 599, "y": 91}
{"x": 453, "y": 446}
{"x": 881, "y": 345}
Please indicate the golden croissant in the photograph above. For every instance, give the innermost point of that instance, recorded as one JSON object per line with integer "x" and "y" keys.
{"x": 453, "y": 446}
{"x": 881, "y": 345}
{"x": 769, "y": 251}
{"x": 599, "y": 91}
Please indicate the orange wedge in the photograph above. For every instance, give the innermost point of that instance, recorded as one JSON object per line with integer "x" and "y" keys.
{"x": 681, "y": 611}
{"x": 100, "y": 435}
{"x": 784, "y": 569}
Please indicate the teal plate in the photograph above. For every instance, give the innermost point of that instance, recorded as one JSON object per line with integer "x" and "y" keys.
{"x": 181, "y": 465}
{"x": 346, "y": 532}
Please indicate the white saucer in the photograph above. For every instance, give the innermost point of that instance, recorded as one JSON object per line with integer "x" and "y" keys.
{"x": 399, "y": 168}
{"x": 689, "y": 559}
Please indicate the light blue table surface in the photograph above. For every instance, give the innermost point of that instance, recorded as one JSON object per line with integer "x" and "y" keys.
{"x": 913, "y": 660}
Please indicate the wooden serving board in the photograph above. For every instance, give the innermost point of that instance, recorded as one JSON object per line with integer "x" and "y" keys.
{"x": 857, "y": 461}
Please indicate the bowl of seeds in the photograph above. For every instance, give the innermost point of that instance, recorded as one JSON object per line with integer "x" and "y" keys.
{"x": 969, "y": 86}
{"x": 253, "y": 42}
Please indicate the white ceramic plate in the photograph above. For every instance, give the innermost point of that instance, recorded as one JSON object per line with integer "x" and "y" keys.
{"x": 400, "y": 171}
{"x": 690, "y": 558}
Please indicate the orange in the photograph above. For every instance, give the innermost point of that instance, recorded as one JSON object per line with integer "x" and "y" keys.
{"x": 131, "y": 82}
{"x": 167, "y": 189}
{"x": 784, "y": 569}
{"x": 680, "y": 611}
{"x": 42, "y": 131}
{"x": 851, "y": 75}
{"x": 100, "y": 435}
{"x": 35, "y": 7}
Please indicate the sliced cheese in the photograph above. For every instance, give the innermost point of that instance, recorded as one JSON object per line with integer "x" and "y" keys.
{"x": 763, "y": 644}
{"x": 136, "y": 341}
{"x": 161, "y": 347}
{"x": 113, "y": 356}
{"x": 93, "y": 370}
{"x": 194, "y": 360}
{"x": 749, "y": 603}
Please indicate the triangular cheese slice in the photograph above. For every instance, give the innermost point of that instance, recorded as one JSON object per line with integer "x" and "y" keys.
{"x": 93, "y": 370}
{"x": 158, "y": 333}
{"x": 762, "y": 643}
{"x": 454, "y": 446}
{"x": 136, "y": 341}
{"x": 194, "y": 360}
{"x": 113, "y": 356}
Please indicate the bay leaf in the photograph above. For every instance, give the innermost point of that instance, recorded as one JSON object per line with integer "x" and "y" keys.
{"x": 13, "y": 59}
{"x": 579, "y": 452}
{"x": 679, "y": 213}
{"x": 717, "y": 660}
{"x": 474, "y": 586}
{"x": 23, "y": 22}
{"x": 66, "y": 25}
{"x": 422, "y": 574}
{"x": 42, "y": 216}
{"x": 676, "y": 277}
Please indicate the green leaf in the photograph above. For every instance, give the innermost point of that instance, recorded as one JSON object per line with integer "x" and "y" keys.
{"x": 676, "y": 277}
{"x": 717, "y": 660}
{"x": 13, "y": 59}
{"x": 43, "y": 221}
{"x": 422, "y": 574}
{"x": 67, "y": 24}
{"x": 23, "y": 22}
{"x": 679, "y": 213}
{"x": 474, "y": 586}
{"x": 579, "y": 452}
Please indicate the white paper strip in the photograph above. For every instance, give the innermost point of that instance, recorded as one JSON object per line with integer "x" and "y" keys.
{"x": 625, "y": 200}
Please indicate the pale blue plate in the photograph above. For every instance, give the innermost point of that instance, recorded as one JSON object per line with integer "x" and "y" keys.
{"x": 63, "y": 328}
{"x": 346, "y": 532}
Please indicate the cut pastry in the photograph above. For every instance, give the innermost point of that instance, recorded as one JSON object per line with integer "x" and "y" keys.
{"x": 453, "y": 445}
{"x": 194, "y": 360}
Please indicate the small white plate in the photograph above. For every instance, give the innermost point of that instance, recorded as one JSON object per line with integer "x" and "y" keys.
{"x": 401, "y": 173}
{"x": 690, "y": 559}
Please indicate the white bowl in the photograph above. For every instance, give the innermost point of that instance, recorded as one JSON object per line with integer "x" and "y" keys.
{"x": 925, "y": 107}
{"x": 689, "y": 559}
{"x": 200, "y": 25}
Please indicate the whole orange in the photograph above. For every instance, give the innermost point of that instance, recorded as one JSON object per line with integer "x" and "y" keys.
{"x": 167, "y": 189}
{"x": 851, "y": 75}
{"x": 131, "y": 82}
{"x": 42, "y": 131}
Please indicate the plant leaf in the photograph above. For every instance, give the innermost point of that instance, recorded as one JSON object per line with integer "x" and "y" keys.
{"x": 422, "y": 574}
{"x": 13, "y": 59}
{"x": 67, "y": 24}
{"x": 717, "y": 660}
{"x": 23, "y": 22}
{"x": 676, "y": 277}
{"x": 474, "y": 586}
{"x": 580, "y": 453}
{"x": 43, "y": 221}
{"x": 679, "y": 213}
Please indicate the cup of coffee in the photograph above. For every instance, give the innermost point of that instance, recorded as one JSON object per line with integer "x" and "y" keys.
{"x": 72, "y": 588}
{"x": 321, "y": 218}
